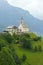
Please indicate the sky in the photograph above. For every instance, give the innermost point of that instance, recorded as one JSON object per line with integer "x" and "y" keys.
{"x": 34, "y": 7}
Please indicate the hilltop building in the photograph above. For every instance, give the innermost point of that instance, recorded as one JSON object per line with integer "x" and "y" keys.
{"x": 22, "y": 28}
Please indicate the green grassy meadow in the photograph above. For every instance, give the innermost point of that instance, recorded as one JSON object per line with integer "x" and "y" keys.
{"x": 34, "y": 58}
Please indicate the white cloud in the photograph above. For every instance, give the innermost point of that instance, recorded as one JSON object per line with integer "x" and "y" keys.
{"x": 19, "y": 3}
{"x": 35, "y": 7}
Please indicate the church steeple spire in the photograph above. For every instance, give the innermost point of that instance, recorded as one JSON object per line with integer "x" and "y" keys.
{"x": 21, "y": 20}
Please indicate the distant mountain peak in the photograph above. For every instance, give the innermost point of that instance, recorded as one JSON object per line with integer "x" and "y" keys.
{"x": 10, "y": 15}
{"x": 3, "y": 3}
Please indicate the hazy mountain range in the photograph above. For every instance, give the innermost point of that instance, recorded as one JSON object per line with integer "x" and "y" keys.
{"x": 10, "y": 15}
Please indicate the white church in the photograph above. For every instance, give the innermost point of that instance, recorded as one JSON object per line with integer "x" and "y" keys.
{"x": 22, "y": 28}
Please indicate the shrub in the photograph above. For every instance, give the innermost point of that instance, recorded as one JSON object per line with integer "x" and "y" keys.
{"x": 27, "y": 44}
{"x": 23, "y": 58}
{"x": 8, "y": 37}
{"x": 17, "y": 60}
{"x": 2, "y": 43}
{"x": 39, "y": 47}
{"x": 0, "y": 47}
{"x": 36, "y": 49}
{"x": 37, "y": 39}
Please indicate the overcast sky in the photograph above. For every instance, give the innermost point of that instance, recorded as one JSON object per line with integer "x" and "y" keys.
{"x": 35, "y": 7}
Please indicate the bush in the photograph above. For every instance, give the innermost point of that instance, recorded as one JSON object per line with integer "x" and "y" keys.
{"x": 23, "y": 58}
{"x": 8, "y": 37}
{"x": 26, "y": 35}
{"x": 36, "y": 49}
{"x": 2, "y": 43}
{"x": 17, "y": 60}
{"x": 27, "y": 44}
{"x": 37, "y": 39}
{"x": 6, "y": 57}
{"x": 39, "y": 47}
{"x": 0, "y": 47}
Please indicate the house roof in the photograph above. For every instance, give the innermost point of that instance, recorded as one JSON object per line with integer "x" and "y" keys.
{"x": 9, "y": 27}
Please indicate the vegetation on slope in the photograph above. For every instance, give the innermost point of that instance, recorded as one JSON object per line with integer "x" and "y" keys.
{"x": 24, "y": 49}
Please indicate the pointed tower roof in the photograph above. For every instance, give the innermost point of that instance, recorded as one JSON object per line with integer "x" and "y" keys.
{"x": 21, "y": 20}
{"x": 22, "y": 23}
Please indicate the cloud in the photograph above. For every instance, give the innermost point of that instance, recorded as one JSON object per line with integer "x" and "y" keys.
{"x": 18, "y": 3}
{"x": 35, "y": 7}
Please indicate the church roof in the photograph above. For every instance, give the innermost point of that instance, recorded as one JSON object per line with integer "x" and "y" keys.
{"x": 9, "y": 27}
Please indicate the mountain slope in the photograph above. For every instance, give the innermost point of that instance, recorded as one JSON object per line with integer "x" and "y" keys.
{"x": 10, "y": 15}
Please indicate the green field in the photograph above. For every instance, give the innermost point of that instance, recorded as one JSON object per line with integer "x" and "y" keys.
{"x": 33, "y": 58}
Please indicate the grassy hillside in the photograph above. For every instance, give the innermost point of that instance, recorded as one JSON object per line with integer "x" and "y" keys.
{"x": 33, "y": 58}
{"x": 24, "y": 49}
